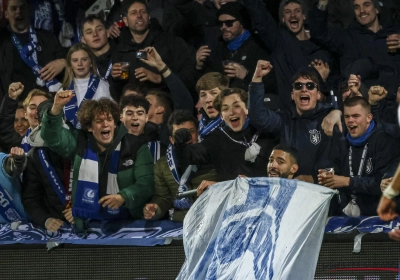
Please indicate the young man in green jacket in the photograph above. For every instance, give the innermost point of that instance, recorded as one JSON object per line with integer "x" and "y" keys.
{"x": 112, "y": 174}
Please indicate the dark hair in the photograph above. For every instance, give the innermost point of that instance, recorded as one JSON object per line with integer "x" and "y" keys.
{"x": 357, "y": 100}
{"x": 135, "y": 101}
{"x": 212, "y": 80}
{"x": 128, "y": 3}
{"x": 229, "y": 91}
{"x": 91, "y": 19}
{"x": 307, "y": 73}
{"x": 179, "y": 117}
{"x": 90, "y": 109}
{"x": 288, "y": 149}
{"x": 133, "y": 87}
{"x": 163, "y": 100}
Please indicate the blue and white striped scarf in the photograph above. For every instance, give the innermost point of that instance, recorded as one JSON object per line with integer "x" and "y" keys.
{"x": 24, "y": 143}
{"x": 205, "y": 129}
{"x": 155, "y": 149}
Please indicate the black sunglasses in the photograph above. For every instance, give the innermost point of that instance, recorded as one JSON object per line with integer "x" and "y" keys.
{"x": 309, "y": 85}
{"x": 228, "y": 23}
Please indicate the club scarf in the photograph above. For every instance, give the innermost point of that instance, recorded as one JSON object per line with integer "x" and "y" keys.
{"x": 235, "y": 44}
{"x": 24, "y": 143}
{"x": 72, "y": 108}
{"x": 155, "y": 150}
{"x": 29, "y": 56}
{"x": 87, "y": 189}
{"x": 183, "y": 203}
{"x": 205, "y": 129}
{"x": 359, "y": 141}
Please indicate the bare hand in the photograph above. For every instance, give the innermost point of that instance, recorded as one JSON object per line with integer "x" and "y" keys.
{"x": 354, "y": 83}
{"x": 15, "y": 90}
{"x": 153, "y": 58}
{"x": 333, "y": 181}
{"x": 112, "y": 201}
{"x": 262, "y": 69}
{"x": 201, "y": 55}
{"x": 53, "y": 224}
{"x": 393, "y": 41}
{"x": 116, "y": 70}
{"x": 386, "y": 209}
{"x": 146, "y": 75}
{"x": 375, "y": 94}
{"x": 16, "y": 153}
{"x": 60, "y": 100}
{"x": 113, "y": 31}
{"x": 52, "y": 69}
{"x": 329, "y": 122}
{"x": 395, "y": 234}
{"x": 322, "y": 68}
{"x": 235, "y": 70}
{"x": 68, "y": 215}
{"x": 203, "y": 186}
{"x": 385, "y": 183}
{"x": 150, "y": 210}
{"x": 305, "y": 178}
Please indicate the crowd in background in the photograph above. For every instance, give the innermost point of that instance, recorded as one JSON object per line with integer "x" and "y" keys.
{"x": 118, "y": 116}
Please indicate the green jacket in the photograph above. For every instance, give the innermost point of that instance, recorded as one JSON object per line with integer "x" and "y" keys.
{"x": 166, "y": 188}
{"x": 136, "y": 182}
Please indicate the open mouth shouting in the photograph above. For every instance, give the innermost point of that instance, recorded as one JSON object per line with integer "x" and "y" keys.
{"x": 352, "y": 129}
{"x": 273, "y": 172}
{"x": 106, "y": 135}
{"x": 134, "y": 128}
{"x": 235, "y": 123}
{"x": 294, "y": 23}
{"x": 304, "y": 100}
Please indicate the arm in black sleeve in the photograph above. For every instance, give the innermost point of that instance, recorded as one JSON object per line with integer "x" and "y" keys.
{"x": 261, "y": 117}
{"x": 179, "y": 93}
{"x": 8, "y": 137}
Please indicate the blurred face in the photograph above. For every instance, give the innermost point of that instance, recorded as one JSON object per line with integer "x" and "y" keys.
{"x": 154, "y": 109}
{"x": 206, "y": 100}
{"x": 357, "y": 120}
{"x": 17, "y": 14}
{"x": 280, "y": 165}
{"x": 21, "y": 124}
{"x": 81, "y": 64}
{"x": 137, "y": 18}
{"x": 94, "y": 35}
{"x": 189, "y": 126}
{"x": 293, "y": 17}
{"x": 31, "y": 110}
{"x": 234, "y": 112}
{"x": 232, "y": 31}
{"x": 103, "y": 130}
{"x": 305, "y": 98}
{"x": 366, "y": 13}
{"x": 134, "y": 119}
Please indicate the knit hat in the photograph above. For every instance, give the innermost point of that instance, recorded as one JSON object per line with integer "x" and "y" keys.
{"x": 377, "y": 5}
{"x": 237, "y": 11}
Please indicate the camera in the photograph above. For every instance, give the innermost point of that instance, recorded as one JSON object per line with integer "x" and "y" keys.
{"x": 141, "y": 55}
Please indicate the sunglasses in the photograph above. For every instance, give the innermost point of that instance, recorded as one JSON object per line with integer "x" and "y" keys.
{"x": 309, "y": 85}
{"x": 228, "y": 23}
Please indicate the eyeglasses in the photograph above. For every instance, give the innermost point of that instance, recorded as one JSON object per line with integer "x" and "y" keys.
{"x": 228, "y": 23}
{"x": 309, "y": 85}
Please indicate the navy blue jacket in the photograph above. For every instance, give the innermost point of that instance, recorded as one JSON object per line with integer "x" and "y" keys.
{"x": 383, "y": 151}
{"x": 288, "y": 54}
{"x": 301, "y": 132}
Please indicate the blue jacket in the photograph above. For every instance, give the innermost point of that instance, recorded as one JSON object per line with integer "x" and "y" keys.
{"x": 301, "y": 132}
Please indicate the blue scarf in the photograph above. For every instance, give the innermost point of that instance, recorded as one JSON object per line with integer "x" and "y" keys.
{"x": 235, "y": 44}
{"x": 87, "y": 188}
{"x": 24, "y": 143}
{"x": 205, "y": 129}
{"x": 359, "y": 141}
{"x": 155, "y": 150}
{"x": 71, "y": 109}
{"x": 29, "y": 57}
{"x": 182, "y": 203}
{"x": 8, "y": 210}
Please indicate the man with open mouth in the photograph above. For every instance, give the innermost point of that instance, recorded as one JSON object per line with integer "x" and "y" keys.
{"x": 361, "y": 160}
{"x": 282, "y": 162}
{"x": 113, "y": 170}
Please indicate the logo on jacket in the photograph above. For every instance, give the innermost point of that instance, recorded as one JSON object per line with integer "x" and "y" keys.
{"x": 369, "y": 166}
{"x": 128, "y": 162}
{"x": 88, "y": 196}
{"x": 244, "y": 57}
{"x": 315, "y": 136}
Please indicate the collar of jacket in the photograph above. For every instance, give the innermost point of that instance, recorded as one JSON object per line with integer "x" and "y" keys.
{"x": 320, "y": 109}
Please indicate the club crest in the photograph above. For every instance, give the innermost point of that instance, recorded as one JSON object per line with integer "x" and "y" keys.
{"x": 315, "y": 136}
{"x": 369, "y": 167}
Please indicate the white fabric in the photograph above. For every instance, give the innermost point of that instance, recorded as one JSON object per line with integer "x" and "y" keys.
{"x": 255, "y": 228}
{"x": 81, "y": 85}
{"x": 93, "y": 175}
{"x": 390, "y": 193}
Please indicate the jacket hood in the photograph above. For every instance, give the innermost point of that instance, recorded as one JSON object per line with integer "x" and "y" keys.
{"x": 34, "y": 138}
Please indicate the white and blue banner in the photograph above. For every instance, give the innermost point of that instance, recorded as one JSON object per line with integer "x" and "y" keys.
{"x": 259, "y": 228}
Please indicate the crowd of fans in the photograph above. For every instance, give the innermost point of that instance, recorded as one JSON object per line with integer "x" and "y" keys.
{"x": 170, "y": 96}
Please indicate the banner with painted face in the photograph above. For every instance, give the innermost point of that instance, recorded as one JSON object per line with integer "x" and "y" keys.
{"x": 255, "y": 228}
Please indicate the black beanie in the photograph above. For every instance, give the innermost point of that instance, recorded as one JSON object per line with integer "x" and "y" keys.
{"x": 237, "y": 11}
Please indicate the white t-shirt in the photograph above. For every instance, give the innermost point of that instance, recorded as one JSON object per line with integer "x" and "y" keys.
{"x": 81, "y": 85}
